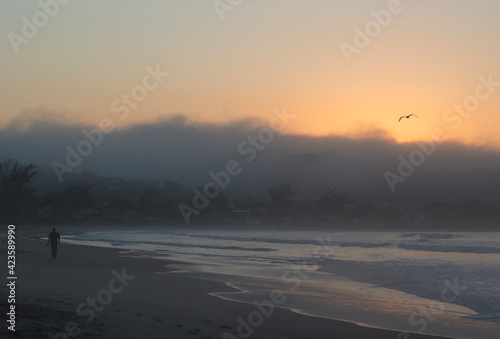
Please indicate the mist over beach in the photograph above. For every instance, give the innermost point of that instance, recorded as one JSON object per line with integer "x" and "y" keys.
{"x": 250, "y": 169}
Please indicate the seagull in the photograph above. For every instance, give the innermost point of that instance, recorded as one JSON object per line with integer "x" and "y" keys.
{"x": 407, "y": 116}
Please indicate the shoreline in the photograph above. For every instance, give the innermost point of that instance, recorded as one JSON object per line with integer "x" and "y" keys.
{"x": 383, "y": 227}
{"x": 152, "y": 305}
{"x": 446, "y": 324}
{"x": 442, "y": 324}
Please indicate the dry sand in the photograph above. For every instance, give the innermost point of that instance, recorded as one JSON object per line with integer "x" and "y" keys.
{"x": 53, "y": 295}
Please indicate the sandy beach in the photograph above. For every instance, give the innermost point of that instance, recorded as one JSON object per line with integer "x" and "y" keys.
{"x": 99, "y": 293}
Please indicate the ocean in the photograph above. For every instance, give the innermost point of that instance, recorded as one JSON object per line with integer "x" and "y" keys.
{"x": 443, "y": 283}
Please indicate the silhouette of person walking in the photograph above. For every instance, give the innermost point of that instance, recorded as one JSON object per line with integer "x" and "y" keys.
{"x": 54, "y": 239}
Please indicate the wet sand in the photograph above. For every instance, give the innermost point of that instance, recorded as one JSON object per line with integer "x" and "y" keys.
{"x": 98, "y": 293}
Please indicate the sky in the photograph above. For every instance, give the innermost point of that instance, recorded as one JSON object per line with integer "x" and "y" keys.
{"x": 343, "y": 68}
{"x": 196, "y": 155}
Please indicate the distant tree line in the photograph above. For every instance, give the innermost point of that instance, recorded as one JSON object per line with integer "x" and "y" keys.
{"x": 28, "y": 194}
{"x": 17, "y": 196}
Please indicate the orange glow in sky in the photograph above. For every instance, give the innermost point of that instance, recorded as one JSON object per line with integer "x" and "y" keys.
{"x": 425, "y": 59}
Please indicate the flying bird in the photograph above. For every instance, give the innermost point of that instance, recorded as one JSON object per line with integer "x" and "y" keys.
{"x": 407, "y": 116}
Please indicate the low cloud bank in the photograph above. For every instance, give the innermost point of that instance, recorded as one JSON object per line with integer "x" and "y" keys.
{"x": 176, "y": 149}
